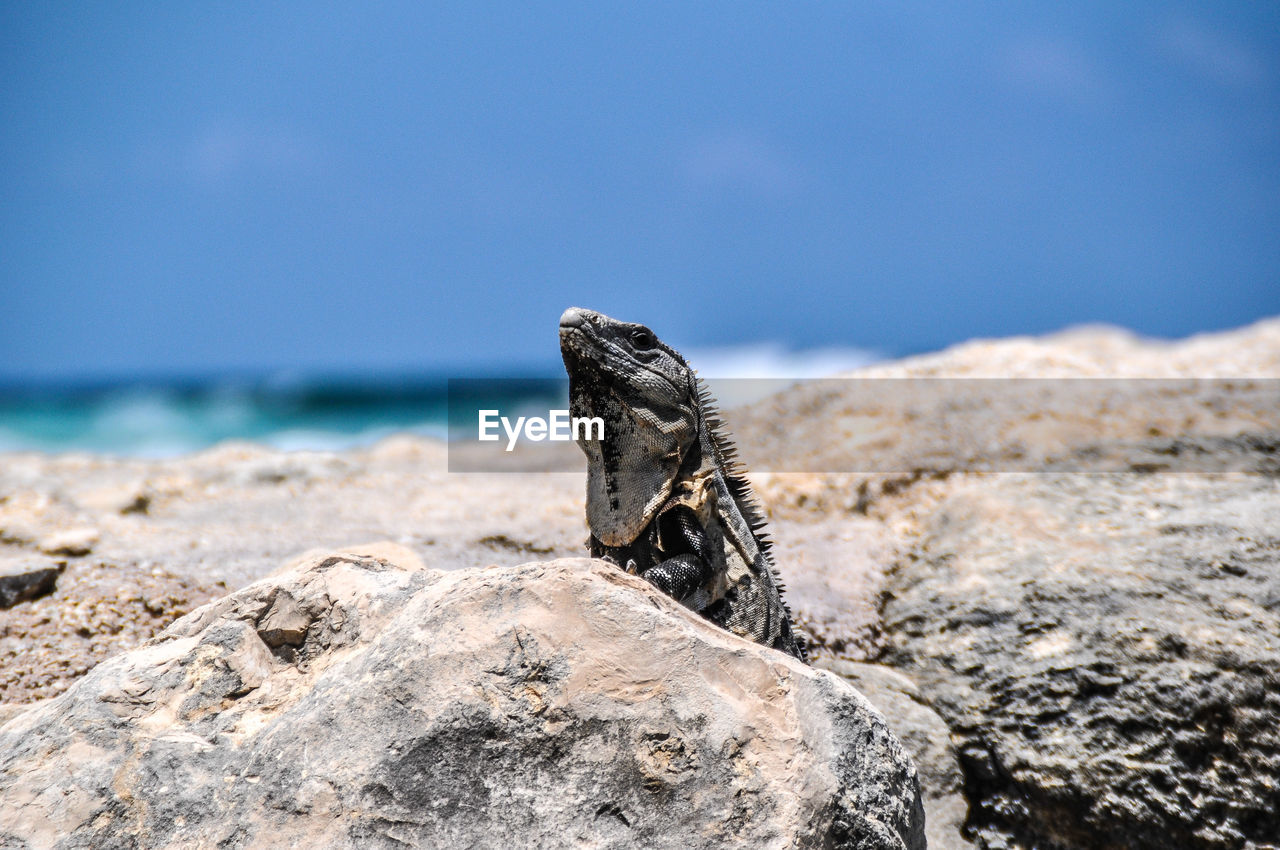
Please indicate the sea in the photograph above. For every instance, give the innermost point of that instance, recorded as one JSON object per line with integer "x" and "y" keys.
{"x": 157, "y": 417}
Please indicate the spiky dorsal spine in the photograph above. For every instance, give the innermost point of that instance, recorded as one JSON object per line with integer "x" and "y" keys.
{"x": 735, "y": 477}
{"x": 735, "y": 474}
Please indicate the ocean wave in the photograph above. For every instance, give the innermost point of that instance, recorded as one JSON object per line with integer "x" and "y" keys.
{"x": 295, "y": 413}
{"x": 775, "y": 361}
{"x": 158, "y": 422}
{"x": 742, "y": 374}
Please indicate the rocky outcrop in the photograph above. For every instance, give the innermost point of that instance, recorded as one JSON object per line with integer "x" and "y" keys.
{"x": 351, "y": 702}
{"x": 1106, "y": 653}
{"x": 157, "y": 538}
{"x": 1081, "y": 660}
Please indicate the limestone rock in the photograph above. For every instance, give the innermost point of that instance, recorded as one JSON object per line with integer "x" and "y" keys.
{"x": 26, "y": 577}
{"x": 925, "y": 737}
{"x": 1106, "y": 653}
{"x": 9, "y": 710}
{"x": 551, "y": 704}
{"x": 74, "y": 542}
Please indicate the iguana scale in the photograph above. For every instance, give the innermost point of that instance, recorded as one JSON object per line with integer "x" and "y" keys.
{"x": 666, "y": 498}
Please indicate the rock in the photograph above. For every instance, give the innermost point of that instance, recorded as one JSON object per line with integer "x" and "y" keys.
{"x": 26, "y": 577}
{"x": 379, "y": 550}
{"x": 140, "y": 503}
{"x": 293, "y": 467}
{"x": 926, "y": 738}
{"x": 286, "y": 621}
{"x": 116, "y": 497}
{"x": 549, "y": 704}
{"x": 75, "y": 542}
{"x": 101, "y": 608}
{"x": 1106, "y": 653}
{"x": 10, "y": 710}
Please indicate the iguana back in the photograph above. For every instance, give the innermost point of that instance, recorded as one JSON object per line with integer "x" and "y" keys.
{"x": 666, "y": 498}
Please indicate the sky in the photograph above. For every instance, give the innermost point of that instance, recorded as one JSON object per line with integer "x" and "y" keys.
{"x": 195, "y": 188}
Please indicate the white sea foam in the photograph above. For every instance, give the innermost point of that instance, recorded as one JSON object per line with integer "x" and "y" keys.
{"x": 775, "y": 361}
{"x": 157, "y": 422}
{"x": 742, "y": 374}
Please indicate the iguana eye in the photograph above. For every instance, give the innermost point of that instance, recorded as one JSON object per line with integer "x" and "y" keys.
{"x": 642, "y": 339}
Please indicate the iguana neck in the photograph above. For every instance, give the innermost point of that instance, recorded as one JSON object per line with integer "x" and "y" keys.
{"x": 631, "y": 472}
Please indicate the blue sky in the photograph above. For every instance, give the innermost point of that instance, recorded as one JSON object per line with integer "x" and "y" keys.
{"x": 190, "y": 188}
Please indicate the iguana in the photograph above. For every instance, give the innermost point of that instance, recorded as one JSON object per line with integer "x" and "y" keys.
{"x": 666, "y": 499}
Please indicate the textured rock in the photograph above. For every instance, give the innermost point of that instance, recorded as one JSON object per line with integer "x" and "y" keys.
{"x": 9, "y": 710}
{"x": 74, "y": 542}
{"x": 349, "y": 702}
{"x": 926, "y": 737}
{"x": 220, "y": 519}
{"x": 25, "y": 578}
{"x": 1106, "y": 653}
{"x": 99, "y": 608}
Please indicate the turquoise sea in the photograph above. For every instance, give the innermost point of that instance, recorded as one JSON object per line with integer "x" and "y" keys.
{"x": 163, "y": 417}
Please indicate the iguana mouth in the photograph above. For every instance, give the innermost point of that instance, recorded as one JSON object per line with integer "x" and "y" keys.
{"x": 575, "y": 333}
{"x": 575, "y": 348}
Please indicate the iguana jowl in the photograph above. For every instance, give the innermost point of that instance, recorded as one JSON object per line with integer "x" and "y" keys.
{"x": 665, "y": 498}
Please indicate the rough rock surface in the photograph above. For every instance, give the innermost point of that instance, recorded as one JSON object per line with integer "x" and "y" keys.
{"x": 158, "y": 537}
{"x": 27, "y": 578}
{"x": 100, "y": 607}
{"x": 1106, "y": 651}
{"x": 350, "y": 702}
{"x": 928, "y": 740}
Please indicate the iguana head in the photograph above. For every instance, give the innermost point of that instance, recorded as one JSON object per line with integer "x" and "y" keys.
{"x": 648, "y": 398}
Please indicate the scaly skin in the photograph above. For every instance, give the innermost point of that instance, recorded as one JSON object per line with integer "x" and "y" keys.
{"x": 665, "y": 498}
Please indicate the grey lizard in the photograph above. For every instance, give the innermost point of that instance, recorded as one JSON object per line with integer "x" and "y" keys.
{"x": 666, "y": 498}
